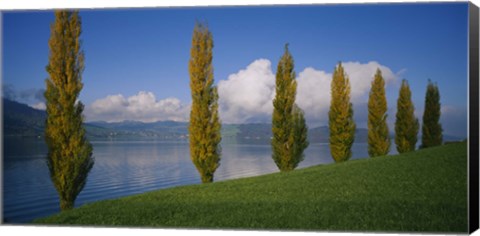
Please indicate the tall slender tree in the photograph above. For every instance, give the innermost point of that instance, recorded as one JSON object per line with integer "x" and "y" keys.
{"x": 378, "y": 137}
{"x": 69, "y": 156}
{"x": 283, "y": 141}
{"x": 431, "y": 127}
{"x": 406, "y": 125}
{"x": 205, "y": 126}
{"x": 341, "y": 123}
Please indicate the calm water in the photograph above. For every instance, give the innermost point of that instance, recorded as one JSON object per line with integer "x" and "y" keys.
{"x": 127, "y": 167}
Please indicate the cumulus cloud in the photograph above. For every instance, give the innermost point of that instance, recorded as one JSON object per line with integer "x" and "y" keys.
{"x": 361, "y": 76}
{"x": 247, "y": 95}
{"x": 313, "y": 94}
{"x": 140, "y": 107}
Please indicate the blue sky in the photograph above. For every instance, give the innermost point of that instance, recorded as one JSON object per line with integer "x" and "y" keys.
{"x": 137, "y": 59}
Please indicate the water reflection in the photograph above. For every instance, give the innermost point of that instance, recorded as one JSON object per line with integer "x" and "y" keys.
{"x": 128, "y": 167}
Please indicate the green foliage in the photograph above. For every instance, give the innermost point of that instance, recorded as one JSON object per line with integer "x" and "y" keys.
{"x": 378, "y": 136}
{"x": 341, "y": 123}
{"x": 300, "y": 136}
{"x": 431, "y": 127}
{"x": 69, "y": 156}
{"x": 406, "y": 125}
{"x": 288, "y": 124}
{"x": 204, "y": 127}
{"x": 416, "y": 191}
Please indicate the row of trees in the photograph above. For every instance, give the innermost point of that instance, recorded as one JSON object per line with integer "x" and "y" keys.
{"x": 70, "y": 158}
{"x": 289, "y": 129}
{"x": 406, "y": 124}
{"x": 342, "y": 125}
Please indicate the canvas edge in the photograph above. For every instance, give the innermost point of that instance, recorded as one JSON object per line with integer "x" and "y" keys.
{"x": 473, "y": 179}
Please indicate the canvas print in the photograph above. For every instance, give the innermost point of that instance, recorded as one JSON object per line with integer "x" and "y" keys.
{"x": 339, "y": 117}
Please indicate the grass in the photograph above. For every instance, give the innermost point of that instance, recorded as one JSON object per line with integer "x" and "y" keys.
{"x": 423, "y": 191}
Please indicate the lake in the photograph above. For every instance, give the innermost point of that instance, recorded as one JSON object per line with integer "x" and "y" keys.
{"x": 129, "y": 167}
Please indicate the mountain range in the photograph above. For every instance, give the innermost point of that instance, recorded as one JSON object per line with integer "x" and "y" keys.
{"x": 20, "y": 120}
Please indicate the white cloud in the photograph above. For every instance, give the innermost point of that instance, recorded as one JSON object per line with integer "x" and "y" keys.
{"x": 140, "y": 107}
{"x": 247, "y": 95}
{"x": 313, "y": 95}
{"x": 361, "y": 76}
{"x": 39, "y": 106}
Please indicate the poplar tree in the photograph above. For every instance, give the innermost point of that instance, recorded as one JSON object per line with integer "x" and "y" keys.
{"x": 406, "y": 125}
{"x": 431, "y": 127}
{"x": 378, "y": 137}
{"x": 69, "y": 157}
{"x": 204, "y": 127}
{"x": 285, "y": 151}
{"x": 341, "y": 123}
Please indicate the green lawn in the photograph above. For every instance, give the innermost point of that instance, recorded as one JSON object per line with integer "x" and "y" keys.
{"x": 424, "y": 190}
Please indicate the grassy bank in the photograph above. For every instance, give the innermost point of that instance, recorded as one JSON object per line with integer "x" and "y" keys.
{"x": 424, "y": 190}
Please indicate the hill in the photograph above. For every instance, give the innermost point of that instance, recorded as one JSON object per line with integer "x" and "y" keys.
{"x": 421, "y": 191}
{"x": 22, "y": 120}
